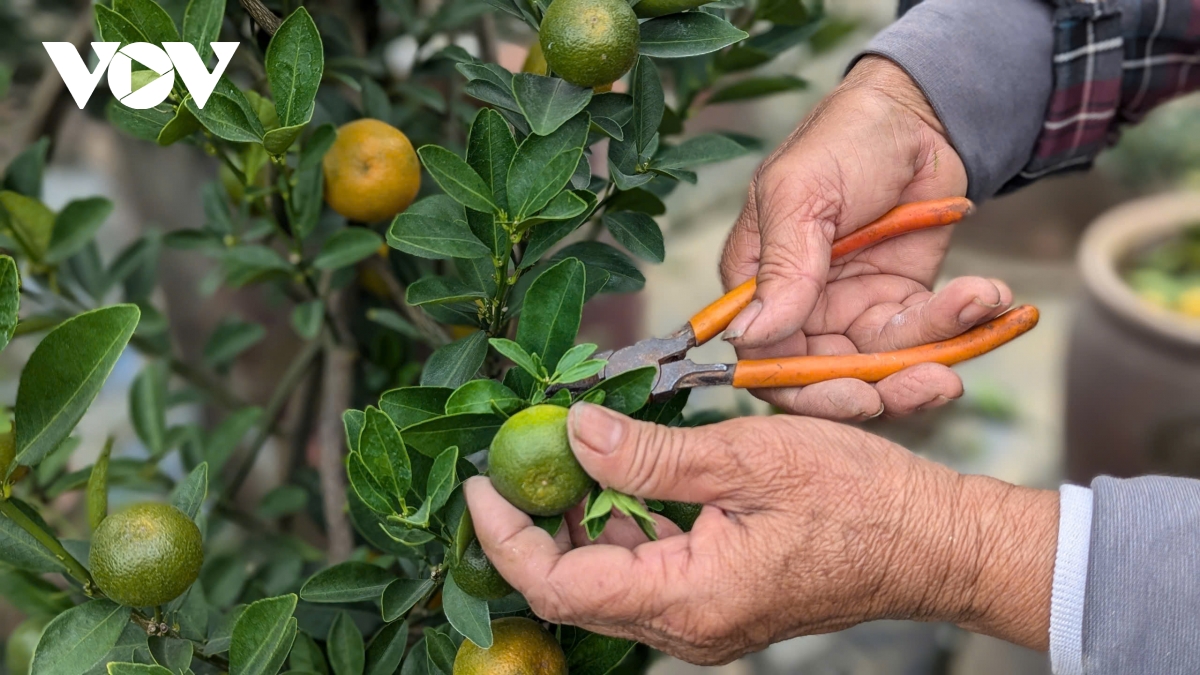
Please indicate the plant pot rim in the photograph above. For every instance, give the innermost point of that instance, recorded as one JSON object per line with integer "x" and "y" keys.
{"x": 1118, "y": 232}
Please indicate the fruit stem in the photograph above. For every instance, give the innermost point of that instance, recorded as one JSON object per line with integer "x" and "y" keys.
{"x": 76, "y": 570}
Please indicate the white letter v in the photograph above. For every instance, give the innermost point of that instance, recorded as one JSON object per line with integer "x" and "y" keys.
{"x": 74, "y": 71}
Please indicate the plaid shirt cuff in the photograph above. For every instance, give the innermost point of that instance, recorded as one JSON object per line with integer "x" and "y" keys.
{"x": 1114, "y": 61}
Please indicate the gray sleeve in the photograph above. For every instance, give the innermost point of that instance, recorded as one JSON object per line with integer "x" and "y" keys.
{"x": 986, "y": 66}
{"x": 1142, "y": 605}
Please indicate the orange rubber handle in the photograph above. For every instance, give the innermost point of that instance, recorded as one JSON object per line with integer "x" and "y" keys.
{"x": 710, "y": 321}
{"x": 799, "y": 371}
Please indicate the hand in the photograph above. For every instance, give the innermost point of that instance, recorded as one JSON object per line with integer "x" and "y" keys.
{"x": 809, "y": 527}
{"x": 872, "y": 144}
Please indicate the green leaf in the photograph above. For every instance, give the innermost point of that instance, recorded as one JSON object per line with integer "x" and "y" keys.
{"x": 31, "y": 223}
{"x": 228, "y": 434}
{"x": 116, "y": 28}
{"x": 765, "y": 46}
{"x": 401, "y": 595}
{"x": 387, "y": 648}
{"x": 375, "y": 101}
{"x": 347, "y": 247}
{"x": 453, "y": 364}
{"x": 687, "y": 34}
{"x": 409, "y": 405}
{"x": 345, "y": 646}
{"x": 64, "y": 374}
{"x": 438, "y": 290}
{"x": 181, "y": 125}
{"x": 202, "y": 25}
{"x": 249, "y": 263}
{"x": 597, "y": 654}
{"x": 152, "y": 20}
{"x": 457, "y": 178}
{"x": 228, "y": 114}
{"x": 600, "y": 257}
{"x": 565, "y": 206}
{"x": 188, "y": 496}
{"x": 74, "y": 227}
{"x": 442, "y": 479}
{"x": 483, "y": 396}
{"x": 347, "y": 582}
{"x": 543, "y": 165}
{"x": 306, "y": 656}
{"x": 617, "y": 108}
{"x": 430, "y": 237}
{"x": 418, "y": 662}
{"x": 637, "y": 232}
{"x": 316, "y": 146}
{"x": 277, "y": 141}
{"x": 19, "y": 548}
{"x": 295, "y": 62}
{"x": 490, "y": 149}
{"x": 307, "y": 318}
{"x": 469, "y": 431}
{"x": 262, "y": 636}
{"x": 148, "y": 407}
{"x": 10, "y": 301}
{"x": 366, "y": 487}
{"x": 545, "y": 236}
{"x": 115, "y": 668}
{"x": 24, "y": 173}
{"x": 36, "y": 596}
{"x": 758, "y": 87}
{"x": 517, "y": 354}
{"x": 284, "y": 500}
{"x": 787, "y": 12}
{"x": 230, "y": 339}
{"x": 552, "y": 311}
{"x": 628, "y": 391}
{"x": 647, "y": 91}
{"x": 548, "y": 102}
{"x": 469, "y": 615}
{"x": 79, "y": 637}
{"x": 384, "y": 455}
{"x": 703, "y": 149}
{"x": 441, "y": 649}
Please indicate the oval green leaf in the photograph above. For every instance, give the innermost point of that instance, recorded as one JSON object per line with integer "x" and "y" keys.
{"x": 64, "y": 374}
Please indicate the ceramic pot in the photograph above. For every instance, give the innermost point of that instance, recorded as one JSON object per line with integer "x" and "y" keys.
{"x": 1133, "y": 379}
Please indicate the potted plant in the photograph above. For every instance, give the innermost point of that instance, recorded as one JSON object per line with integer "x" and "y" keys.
{"x": 427, "y": 221}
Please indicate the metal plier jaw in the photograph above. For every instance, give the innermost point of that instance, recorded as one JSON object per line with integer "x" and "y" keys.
{"x": 667, "y": 354}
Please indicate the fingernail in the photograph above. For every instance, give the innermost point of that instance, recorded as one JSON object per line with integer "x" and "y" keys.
{"x": 937, "y": 402}
{"x": 975, "y": 311}
{"x": 877, "y": 413}
{"x": 741, "y": 323}
{"x": 596, "y": 428}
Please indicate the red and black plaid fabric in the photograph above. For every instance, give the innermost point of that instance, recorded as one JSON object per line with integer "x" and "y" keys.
{"x": 1109, "y": 70}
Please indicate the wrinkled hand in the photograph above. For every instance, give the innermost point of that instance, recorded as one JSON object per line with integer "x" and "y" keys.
{"x": 809, "y": 527}
{"x": 872, "y": 144}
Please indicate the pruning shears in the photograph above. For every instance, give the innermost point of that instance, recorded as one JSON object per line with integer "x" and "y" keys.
{"x": 676, "y": 372}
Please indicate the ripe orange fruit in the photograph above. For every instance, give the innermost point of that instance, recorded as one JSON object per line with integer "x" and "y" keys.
{"x": 520, "y": 646}
{"x": 371, "y": 171}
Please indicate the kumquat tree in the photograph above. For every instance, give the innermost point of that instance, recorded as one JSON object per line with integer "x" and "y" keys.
{"x": 432, "y": 234}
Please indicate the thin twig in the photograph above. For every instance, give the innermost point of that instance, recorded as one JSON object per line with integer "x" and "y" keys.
{"x": 264, "y": 17}
{"x": 336, "y": 389}
{"x": 433, "y": 332}
{"x": 279, "y": 398}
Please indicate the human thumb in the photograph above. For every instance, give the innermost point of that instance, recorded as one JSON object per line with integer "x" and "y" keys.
{"x": 647, "y": 460}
